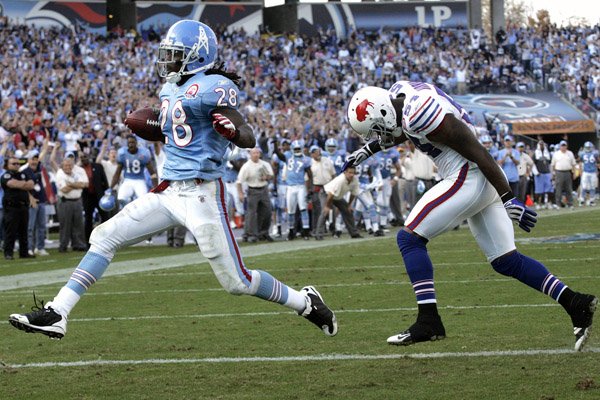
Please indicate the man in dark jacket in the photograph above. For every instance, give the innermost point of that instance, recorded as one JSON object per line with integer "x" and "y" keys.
{"x": 92, "y": 194}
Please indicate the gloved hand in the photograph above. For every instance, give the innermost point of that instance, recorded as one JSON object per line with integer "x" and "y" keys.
{"x": 519, "y": 213}
{"x": 225, "y": 127}
{"x": 361, "y": 154}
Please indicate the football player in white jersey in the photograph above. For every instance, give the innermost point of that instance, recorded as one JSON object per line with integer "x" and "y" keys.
{"x": 199, "y": 120}
{"x": 473, "y": 187}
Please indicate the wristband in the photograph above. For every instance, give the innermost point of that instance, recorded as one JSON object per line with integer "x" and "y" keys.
{"x": 507, "y": 196}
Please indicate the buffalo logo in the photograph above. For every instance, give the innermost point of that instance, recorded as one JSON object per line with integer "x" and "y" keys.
{"x": 192, "y": 91}
{"x": 508, "y": 101}
{"x": 202, "y": 198}
{"x": 361, "y": 110}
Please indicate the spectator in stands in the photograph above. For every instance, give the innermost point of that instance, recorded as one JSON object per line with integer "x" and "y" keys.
{"x": 562, "y": 164}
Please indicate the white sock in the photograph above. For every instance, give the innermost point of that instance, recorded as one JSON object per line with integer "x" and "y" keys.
{"x": 296, "y": 300}
{"x": 64, "y": 301}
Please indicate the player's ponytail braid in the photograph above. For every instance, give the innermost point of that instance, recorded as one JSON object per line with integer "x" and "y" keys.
{"x": 219, "y": 69}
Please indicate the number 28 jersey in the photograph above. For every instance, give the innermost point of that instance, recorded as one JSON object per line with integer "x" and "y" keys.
{"x": 424, "y": 109}
{"x": 193, "y": 148}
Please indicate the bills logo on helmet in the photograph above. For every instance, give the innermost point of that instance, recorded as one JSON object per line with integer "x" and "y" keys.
{"x": 192, "y": 91}
{"x": 361, "y": 110}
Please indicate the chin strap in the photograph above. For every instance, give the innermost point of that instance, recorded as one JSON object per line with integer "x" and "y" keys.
{"x": 173, "y": 77}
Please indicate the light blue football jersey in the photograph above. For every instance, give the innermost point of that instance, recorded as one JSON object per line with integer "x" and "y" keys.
{"x": 194, "y": 149}
{"x": 365, "y": 170}
{"x": 387, "y": 161}
{"x": 134, "y": 165}
{"x": 589, "y": 160}
{"x": 296, "y": 167}
{"x": 338, "y": 158}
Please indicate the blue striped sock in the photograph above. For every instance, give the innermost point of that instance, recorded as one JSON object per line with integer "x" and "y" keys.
{"x": 531, "y": 272}
{"x": 271, "y": 289}
{"x": 90, "y": 269}
{"x": 418, "y": 266}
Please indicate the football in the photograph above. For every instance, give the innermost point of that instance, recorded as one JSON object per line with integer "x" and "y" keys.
{"x": 144, "y": 123}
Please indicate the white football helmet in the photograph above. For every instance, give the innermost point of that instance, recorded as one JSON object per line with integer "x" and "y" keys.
{"x": 372, "y": 115}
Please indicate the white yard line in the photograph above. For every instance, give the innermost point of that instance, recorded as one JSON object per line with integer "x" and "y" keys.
{"x": 274, "y": 313}
{"x": 323, "y": 285}
{"x": 33, "y": 279}
{"x": 307, "y": 358}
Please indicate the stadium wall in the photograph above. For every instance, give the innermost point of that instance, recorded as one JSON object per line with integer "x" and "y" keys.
{"x": 343, "y": 17}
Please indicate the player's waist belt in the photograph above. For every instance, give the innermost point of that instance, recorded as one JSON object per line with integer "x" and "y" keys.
{"x": 67, "y": 199}
{"x": 182, "y": 183}
{"x": 257, "y": 187}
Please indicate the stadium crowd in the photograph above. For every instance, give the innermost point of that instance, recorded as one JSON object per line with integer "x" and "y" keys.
{"x": 64, "y": 94}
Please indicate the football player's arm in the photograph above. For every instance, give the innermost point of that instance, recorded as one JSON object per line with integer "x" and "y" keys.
{"x": 153, "y": 175}
{"x": 456, "y": 135}
{"x": 308, "y": 182}
{"x": 116, "y": 176}
{"x": 233, "y": 127}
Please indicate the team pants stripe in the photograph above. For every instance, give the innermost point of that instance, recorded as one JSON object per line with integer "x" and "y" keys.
{"x": 441, "y": 199}
{"x": 229, "y": 232}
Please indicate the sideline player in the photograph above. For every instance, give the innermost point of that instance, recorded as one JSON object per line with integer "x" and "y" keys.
{"x": 473, "y": 188}
{"x": 589, "y": 175}
{"x": 132, "y": 161}
{"x": 199, "y": 118}
{"x": 297, "y": 165}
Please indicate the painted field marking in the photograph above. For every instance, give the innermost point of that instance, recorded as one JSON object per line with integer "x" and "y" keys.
{"x": 274, "y": 313}
{"x": 306, "y": 358}
{"x": 323, "y": 285}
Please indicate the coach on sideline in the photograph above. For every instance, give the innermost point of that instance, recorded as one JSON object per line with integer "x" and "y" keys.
{"x": 256, "y": 173}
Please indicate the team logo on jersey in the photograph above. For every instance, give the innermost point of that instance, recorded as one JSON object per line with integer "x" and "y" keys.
{"x": 361, "y": 110}
{"x": 508, "y": 101}
{"x": 192, "y": 91}
{"x": 202, "y": 198}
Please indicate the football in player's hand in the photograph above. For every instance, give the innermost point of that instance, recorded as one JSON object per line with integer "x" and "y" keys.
{"x": 144, "y": 123}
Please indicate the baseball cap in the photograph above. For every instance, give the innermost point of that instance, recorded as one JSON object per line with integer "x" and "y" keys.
{"x": 97, "y": 127}
{"x": 33, "y": 153}
{"x": 69, "y": 154}
{"x": 520, "y": 144}
{"x": 562, "y": 143}
{"x": 508, "y": 137}
{"x": 485, "y": 139}
{"x": 314, "y": 148}
{"x": 285, "y": 141}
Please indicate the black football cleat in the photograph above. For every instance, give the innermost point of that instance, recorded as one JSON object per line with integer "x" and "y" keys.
{"x": 318, "y": 313}
{"x": 44, "y": 320}
{"x": 427, "y": 328}
{"x": 582, "y": 311}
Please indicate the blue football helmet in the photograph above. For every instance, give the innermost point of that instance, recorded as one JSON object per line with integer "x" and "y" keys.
{"x": 331, "y": 145}
{"x": 297, "y": 147}
{"x": 189, "y": 47}
{"x": 588, "y": 146}
{"x": 108, "y": 201}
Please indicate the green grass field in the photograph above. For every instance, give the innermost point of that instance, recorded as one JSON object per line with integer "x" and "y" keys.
{"x": 172, "y": 333}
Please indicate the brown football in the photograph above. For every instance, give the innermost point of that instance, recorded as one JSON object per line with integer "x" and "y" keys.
{"x": 144, "y": 123}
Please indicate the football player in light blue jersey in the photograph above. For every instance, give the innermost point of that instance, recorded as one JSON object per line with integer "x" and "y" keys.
{"x": 590, "y": 162}
{"x": 337, "y": 156}
{"x": 369, "y": 178}
{"x": 132, "y": 162}
{"x": 389, "y": 164}
{"x": 297, "y": 164}
{"x": 199, "y": 119}
{"x": 281, "y": 187}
